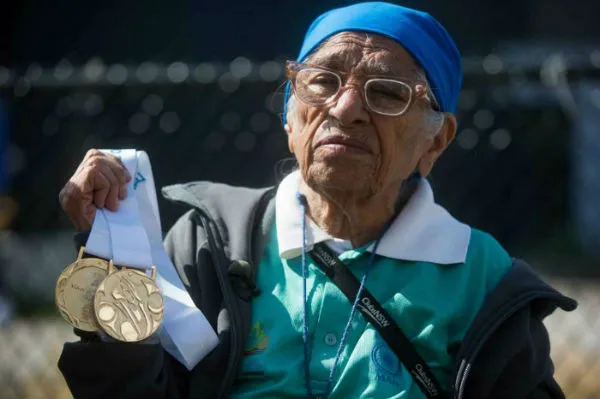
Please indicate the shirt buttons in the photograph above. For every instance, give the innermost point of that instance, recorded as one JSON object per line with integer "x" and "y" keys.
{"x": 330, "y": 339}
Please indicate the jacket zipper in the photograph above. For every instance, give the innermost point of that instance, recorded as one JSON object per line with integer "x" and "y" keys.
{"x": 214, "y": 242}
{"x": 512, "y": 307}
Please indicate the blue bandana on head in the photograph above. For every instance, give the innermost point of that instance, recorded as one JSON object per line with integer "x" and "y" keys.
{"x": 418, "y": 32}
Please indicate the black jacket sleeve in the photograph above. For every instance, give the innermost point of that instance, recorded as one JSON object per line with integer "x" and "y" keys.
{"x": 94, "y": 369}
{"x": 101, "y": 370}
{"x": 526, "y": 371}
{"x": 506, "y": 351}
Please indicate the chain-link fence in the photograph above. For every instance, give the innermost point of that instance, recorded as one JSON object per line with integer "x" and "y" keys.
{"x": 518, "y": 169}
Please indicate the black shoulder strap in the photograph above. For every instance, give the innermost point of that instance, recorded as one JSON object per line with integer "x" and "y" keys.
{"x": 244, "y": 272}
{"x": 372, "y": 310}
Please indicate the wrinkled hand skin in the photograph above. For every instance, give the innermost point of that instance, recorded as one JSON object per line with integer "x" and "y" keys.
{"x": 100, "y": 181}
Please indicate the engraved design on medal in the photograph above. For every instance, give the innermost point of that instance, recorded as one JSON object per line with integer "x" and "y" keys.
{"x": 75, "y": 290}
{"x": 129, "y": 305}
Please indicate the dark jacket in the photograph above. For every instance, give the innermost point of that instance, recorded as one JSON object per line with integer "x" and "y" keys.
{"x": 215, "y": 245}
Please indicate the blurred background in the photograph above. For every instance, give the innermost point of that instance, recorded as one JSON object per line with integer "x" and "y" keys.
{"x": 198, "y": 85}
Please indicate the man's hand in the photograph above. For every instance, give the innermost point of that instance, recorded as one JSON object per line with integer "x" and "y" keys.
{"x": 99, "y": 181}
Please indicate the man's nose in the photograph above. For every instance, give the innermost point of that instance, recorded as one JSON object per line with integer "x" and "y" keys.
{"x": 349, "y": 109}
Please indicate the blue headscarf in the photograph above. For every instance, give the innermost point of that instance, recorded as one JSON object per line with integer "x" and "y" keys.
{"x": 418, "y": 32}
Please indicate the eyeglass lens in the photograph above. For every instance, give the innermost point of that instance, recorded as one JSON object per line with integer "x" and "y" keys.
{"x": 316, "y": 86}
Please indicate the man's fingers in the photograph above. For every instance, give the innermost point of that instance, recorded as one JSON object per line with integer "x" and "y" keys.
{"x": 126, "y": 173}
{"x": 102, "y": 186}
{"x": 96, "y": 158}
{"x": 123, "y": 192}
{"x": 88, "y": 159}
{"x": 109, "y": 161}
{"x": 111, "y": 200}
{"x": 92, "y": 152}
{"x": 118, "y": 168}
{"x": 100, "y": 197}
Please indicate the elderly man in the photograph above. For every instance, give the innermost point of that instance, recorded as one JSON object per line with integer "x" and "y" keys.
{"x": 347, "y": 280}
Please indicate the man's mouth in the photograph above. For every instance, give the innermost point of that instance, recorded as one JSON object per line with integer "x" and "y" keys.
{"x": 343, "y": 144}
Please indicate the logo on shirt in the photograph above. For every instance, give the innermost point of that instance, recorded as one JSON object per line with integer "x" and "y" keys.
{"x": 258, "y": 341}
{"x": 386, "y": 363}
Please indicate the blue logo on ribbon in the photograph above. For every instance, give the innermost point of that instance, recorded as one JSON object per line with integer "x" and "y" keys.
{"x": 139, "y": 178}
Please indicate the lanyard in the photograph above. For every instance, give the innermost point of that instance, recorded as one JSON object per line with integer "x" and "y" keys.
{"x": 355, "y": 305}
{"x": 379, "y": 318}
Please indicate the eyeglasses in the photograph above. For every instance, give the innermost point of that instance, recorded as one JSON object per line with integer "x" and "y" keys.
{"x": 320, "y": 86}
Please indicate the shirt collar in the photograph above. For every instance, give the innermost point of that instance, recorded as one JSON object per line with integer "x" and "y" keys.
{"x": 423, "y": 231}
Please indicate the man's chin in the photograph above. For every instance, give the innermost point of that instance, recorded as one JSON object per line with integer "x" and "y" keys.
{"x": 338, "y": 177}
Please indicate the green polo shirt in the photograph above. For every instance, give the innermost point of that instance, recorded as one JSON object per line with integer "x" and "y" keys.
{"x": 433, "y": 304}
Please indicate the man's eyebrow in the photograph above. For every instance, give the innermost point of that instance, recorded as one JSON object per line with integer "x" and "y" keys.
{"x": 386, "y": 67}
{"x": 334, "y": 59}
{"x": 378, "y": 67}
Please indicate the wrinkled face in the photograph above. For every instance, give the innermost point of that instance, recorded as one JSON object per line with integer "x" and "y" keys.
{"x": 343, "y": 145}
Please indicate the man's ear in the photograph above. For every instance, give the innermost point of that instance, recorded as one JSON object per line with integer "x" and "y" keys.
{"x": 288, "y": 130}
{"x": 439, "y": 144}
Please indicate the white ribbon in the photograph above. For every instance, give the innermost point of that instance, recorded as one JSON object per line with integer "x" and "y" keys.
{"x": 132, "y": 236}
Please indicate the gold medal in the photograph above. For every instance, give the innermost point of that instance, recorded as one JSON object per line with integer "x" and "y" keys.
{"x": 128, "y": 304}
{"x": 75, "y": 290}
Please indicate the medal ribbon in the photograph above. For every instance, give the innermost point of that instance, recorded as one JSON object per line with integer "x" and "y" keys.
{"x": 132, "y": 237}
